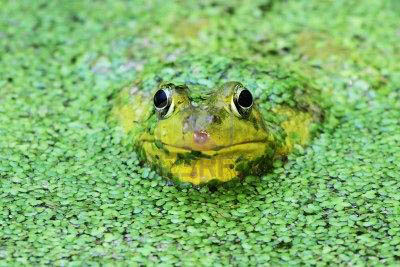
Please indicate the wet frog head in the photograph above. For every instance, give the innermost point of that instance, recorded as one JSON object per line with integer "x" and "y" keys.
{"x": 200, "y": 138}
{"x": 198, "y": 130}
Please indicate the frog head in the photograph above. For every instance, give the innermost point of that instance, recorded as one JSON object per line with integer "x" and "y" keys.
{"x": 215, "y": 134}
{"x": 191, "y": 122}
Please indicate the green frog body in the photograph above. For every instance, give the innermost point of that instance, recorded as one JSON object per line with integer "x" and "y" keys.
{"x": 199, "y": 119}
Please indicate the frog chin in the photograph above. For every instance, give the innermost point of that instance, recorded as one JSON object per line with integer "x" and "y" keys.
{"x": 197, "y": 167}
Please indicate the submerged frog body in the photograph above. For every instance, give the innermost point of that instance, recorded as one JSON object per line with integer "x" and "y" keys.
{"x": 201, "y": 119}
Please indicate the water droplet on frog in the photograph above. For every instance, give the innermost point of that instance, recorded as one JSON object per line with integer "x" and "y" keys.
{"x": 200, "y": 137}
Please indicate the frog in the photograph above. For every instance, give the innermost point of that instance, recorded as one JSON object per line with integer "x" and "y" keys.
{"x": 201, "y": 119}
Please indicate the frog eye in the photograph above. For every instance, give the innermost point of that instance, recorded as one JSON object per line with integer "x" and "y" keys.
{"x": 242, "y": 101}
{"x": 163, "y": 103}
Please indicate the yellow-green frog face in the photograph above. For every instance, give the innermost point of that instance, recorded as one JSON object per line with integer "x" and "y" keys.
{"x": 197, "y": 133}
{"x": 198, "y": 140}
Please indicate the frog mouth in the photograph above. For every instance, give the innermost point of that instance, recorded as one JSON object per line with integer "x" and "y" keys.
{"x": 247, "y": 146}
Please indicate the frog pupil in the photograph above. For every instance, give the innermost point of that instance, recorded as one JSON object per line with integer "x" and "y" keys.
{"x": 245, "y": 99}
{"x": 160, "y": 99}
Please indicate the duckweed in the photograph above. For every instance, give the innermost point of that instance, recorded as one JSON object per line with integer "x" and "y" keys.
{"x": 73, "y": 193}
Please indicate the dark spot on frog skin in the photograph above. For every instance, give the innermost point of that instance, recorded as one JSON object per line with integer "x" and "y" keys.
{"x": 216, "y": 119}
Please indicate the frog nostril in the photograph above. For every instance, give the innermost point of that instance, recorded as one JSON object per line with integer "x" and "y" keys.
{"x": 216, "y": 119}
{"x": 200, "y": 137}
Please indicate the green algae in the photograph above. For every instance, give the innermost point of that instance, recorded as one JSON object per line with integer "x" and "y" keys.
{"x": 72, "y": 193}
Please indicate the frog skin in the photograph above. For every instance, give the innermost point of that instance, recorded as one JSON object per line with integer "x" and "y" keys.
{"x": 213, "y": 119}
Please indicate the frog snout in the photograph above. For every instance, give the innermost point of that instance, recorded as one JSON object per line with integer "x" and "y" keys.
{"x": 200, "y": 137}
{"x": 198, "y": 125}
